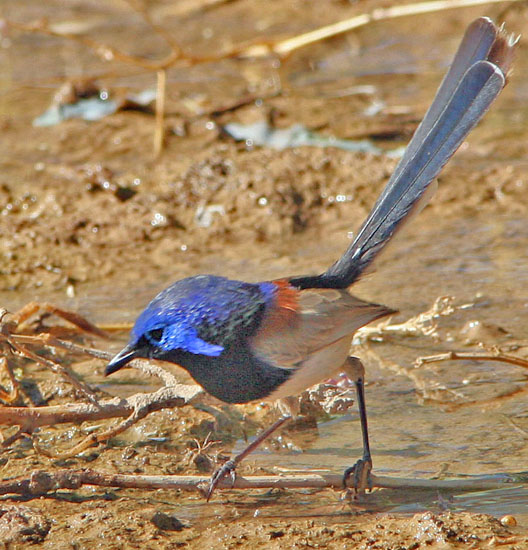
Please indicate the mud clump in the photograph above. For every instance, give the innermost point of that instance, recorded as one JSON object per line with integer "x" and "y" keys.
{"x": 20, "y": 524}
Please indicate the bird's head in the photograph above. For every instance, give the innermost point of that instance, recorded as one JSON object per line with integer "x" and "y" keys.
{"x": 197, "y": 315}
{"x": 157, "y": 336}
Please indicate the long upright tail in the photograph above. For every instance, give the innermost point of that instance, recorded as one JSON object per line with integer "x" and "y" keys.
{"x": 475, "y": 78}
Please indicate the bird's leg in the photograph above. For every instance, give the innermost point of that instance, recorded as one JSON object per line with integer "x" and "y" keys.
{"x": 360, "y": 472}
{"x": 228, "y": 469}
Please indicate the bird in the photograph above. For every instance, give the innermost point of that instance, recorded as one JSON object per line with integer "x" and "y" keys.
{"x": 271, "y": 340}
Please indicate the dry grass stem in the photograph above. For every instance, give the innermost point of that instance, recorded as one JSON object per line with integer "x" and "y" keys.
{"x": 261, "y": 48}
{"x": 285, "y": 47}
{"x": 161, "y": 92}
{"x": 103, "y": 51}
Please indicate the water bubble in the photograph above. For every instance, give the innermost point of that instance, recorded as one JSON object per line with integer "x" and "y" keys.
{"x": 158, "y": 219}
{"x": 508, "y": 521}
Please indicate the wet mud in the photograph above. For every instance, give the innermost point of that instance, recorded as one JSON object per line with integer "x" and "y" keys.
{"x": 92, "y": 221}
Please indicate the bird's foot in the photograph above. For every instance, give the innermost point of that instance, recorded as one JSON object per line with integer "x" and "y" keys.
{"x": 227, "y": 469}
{"x": 360, "y": 474}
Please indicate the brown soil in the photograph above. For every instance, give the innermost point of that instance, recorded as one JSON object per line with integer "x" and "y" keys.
{"x": 86, "y": 210}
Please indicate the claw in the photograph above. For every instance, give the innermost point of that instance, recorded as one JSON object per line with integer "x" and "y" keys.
{"x": 360, "y": 474}
{"x": 227, "y": 469}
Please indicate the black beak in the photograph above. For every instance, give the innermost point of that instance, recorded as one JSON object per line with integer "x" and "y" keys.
{"x": 121, "y": 359}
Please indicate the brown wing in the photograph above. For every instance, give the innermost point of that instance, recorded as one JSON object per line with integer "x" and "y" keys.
{"x": 320, "y": 318}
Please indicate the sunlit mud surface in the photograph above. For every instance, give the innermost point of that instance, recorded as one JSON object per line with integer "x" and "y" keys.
{"x": 92, "y": 222}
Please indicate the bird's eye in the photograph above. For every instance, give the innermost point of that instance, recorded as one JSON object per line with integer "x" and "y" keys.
{"x": 154, "y": 336}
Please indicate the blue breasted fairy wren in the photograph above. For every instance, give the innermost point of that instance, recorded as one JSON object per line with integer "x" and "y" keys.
{"x": 270, "y": 340}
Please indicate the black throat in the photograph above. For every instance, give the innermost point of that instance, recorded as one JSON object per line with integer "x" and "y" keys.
{"x": 235, "y": 376}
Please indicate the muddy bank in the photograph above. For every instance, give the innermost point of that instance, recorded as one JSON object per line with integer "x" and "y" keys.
{"x": 90, "y": 219}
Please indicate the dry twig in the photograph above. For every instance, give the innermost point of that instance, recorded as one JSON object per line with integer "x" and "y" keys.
{"x": 12, "y": 395}
{"x": 285, "y": 47}
{"x": 260, "y": 48}
{"x": 134, "y": 408}
{"x": 40, "y": 482}
{"x": 473, "y": 356}
{"x": 11, "y": 324}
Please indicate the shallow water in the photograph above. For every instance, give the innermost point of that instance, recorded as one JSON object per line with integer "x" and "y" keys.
{"x": 456, "y": 418}
{"x": 463, "y": 428}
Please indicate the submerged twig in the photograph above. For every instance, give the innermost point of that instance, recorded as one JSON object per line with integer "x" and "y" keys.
{"x": 40, "y": 482}
{"x": 473, "y": 356}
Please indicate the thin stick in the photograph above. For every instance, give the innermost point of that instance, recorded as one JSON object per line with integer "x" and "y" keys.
{"x": 143, "y": 365}
{"x": 473, "y": 356}
{"x": 161, "y": 92}
{"x": 57, "y": 368}
{"x": 287, "y": 46}
{"x": 143, "y": 408}
{"x": 35, "y": 417}
{"x": 139, "y": 8}
{"x": 19, "y": 434}
{"x": 259, "y": 49}
{"x": 40, "y": 482}
{"x": 107, "y": 53}
{"x": 17, "y": 320}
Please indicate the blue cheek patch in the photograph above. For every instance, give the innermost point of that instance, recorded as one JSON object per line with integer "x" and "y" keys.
{"x": 193, "y": 313}
{"x": 175, "y": 337}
